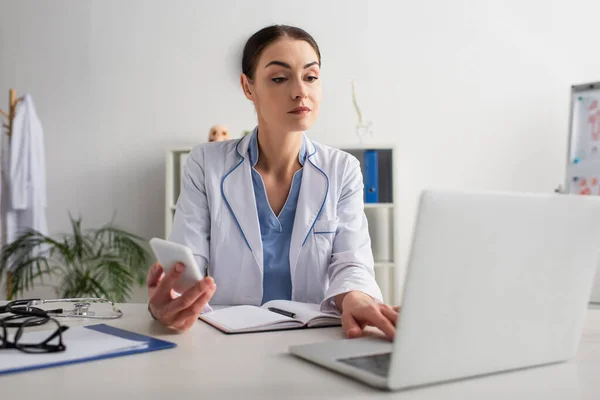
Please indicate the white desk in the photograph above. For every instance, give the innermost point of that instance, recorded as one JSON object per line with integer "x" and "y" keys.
{"x": 207, "y": 364}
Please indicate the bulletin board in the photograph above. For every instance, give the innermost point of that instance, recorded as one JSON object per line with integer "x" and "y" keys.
{"x": 583, "y": 166}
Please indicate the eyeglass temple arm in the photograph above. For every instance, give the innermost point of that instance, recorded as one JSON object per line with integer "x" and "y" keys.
{"x": 55, "y": 334}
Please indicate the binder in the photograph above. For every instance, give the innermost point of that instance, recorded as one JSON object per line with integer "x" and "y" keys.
{"x": 371, "y": 176}
{"x": 146, "y": 344}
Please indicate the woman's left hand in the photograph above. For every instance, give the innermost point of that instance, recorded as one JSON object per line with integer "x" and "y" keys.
{"x": 360, "y": 310}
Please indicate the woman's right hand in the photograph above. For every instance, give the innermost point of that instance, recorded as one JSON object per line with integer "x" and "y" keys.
{"x": 177, "y": 313}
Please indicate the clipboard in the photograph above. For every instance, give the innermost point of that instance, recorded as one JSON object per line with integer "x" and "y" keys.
{"x": 144, "y": 344}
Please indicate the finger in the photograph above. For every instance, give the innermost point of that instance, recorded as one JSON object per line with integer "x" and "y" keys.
{"x": 188, "y": 317}
{"x": 183, "y": 325}
{"x": 154, "y": 274}
{"x": 163, "y": 289}
{"x": 189, "y": 297}
{"x": 196, "y": 309}
{"x": 377, "y": 319}
{"x": 350, "y": 326}
{"x": 176, "y": 325}
{"x": 390, "y": 314}
{"x": 397, "y": 308}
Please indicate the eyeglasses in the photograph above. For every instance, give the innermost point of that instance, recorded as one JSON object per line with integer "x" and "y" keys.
{"x": 27, "y": 337}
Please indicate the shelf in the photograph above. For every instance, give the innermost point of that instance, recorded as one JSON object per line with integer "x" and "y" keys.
{"x": 366, "y": 146}
{"x": 379, "y": 205}
{"x": 384, "y": 264}
{"x": 182, "y": 149}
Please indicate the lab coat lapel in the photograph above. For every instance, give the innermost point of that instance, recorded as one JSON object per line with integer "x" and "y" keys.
{"x": 313, "y": 193}
{"x": 238, "y": 193}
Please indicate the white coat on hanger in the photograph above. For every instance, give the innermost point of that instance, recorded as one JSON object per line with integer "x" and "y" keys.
{"x": 26, "y": 205}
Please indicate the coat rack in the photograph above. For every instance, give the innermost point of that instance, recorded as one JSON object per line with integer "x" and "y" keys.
{"x": 8, "y": 126}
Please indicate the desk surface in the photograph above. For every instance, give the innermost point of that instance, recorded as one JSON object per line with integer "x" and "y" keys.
{"x": 207, "y": 364}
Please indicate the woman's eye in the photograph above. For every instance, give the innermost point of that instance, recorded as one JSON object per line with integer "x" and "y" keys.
{"x": 278, "y": 80}
{"x": 312, "y": 78}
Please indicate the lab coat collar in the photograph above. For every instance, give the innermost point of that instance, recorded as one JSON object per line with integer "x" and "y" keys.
{"x": 308, "y": 148}
{"x": 253, "y": 152}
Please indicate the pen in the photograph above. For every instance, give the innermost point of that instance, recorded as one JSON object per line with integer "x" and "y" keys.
{"x": 282, "y": 312}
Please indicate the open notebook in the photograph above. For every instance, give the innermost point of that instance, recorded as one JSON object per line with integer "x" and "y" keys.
{"x": 244, "y": 319}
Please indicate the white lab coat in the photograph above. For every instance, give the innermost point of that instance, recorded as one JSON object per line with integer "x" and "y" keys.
{"x": 26, "y": 177}
{"x": 330, "y": 250}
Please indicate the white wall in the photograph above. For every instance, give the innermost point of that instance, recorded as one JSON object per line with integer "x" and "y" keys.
{"x": 474, "y": 94}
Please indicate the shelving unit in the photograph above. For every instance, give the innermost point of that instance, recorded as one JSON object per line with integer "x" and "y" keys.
{"x": 174, "y": 167}
{"x": 380, "y": 216}
{"x": 379, "y": 205}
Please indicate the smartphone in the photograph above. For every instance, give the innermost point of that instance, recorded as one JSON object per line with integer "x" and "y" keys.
{"x": 168, "y": 254}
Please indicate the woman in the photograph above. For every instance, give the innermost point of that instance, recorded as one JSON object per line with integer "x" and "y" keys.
{"x": 275, "y": 215}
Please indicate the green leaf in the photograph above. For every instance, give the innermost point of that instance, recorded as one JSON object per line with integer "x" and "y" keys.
{"x": 104, "y": 262}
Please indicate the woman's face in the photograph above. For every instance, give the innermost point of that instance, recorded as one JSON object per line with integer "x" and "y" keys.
{"x": 286, "y": 89}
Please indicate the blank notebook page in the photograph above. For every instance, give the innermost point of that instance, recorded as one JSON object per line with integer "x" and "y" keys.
{"x": 243, "y": 317}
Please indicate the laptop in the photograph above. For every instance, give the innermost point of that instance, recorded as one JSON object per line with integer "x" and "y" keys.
{"x": 495, "y": 282}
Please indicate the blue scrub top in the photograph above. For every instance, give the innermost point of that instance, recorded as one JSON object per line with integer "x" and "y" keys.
{"x": 275, "y": 231}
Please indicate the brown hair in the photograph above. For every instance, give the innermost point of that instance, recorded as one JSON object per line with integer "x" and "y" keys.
{"x": 261, "y": 39}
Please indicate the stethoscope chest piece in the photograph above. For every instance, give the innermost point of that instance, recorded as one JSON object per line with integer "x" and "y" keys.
{"x": 80, "y": 310}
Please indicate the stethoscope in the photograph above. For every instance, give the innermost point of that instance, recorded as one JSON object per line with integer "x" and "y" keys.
{"x": 30, "y": 308}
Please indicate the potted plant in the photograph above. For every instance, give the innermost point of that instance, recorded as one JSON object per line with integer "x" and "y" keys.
{"x": 104, "y": 262}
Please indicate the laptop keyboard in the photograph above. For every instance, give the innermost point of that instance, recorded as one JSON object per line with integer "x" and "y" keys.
{"x": 379, "y": 364}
